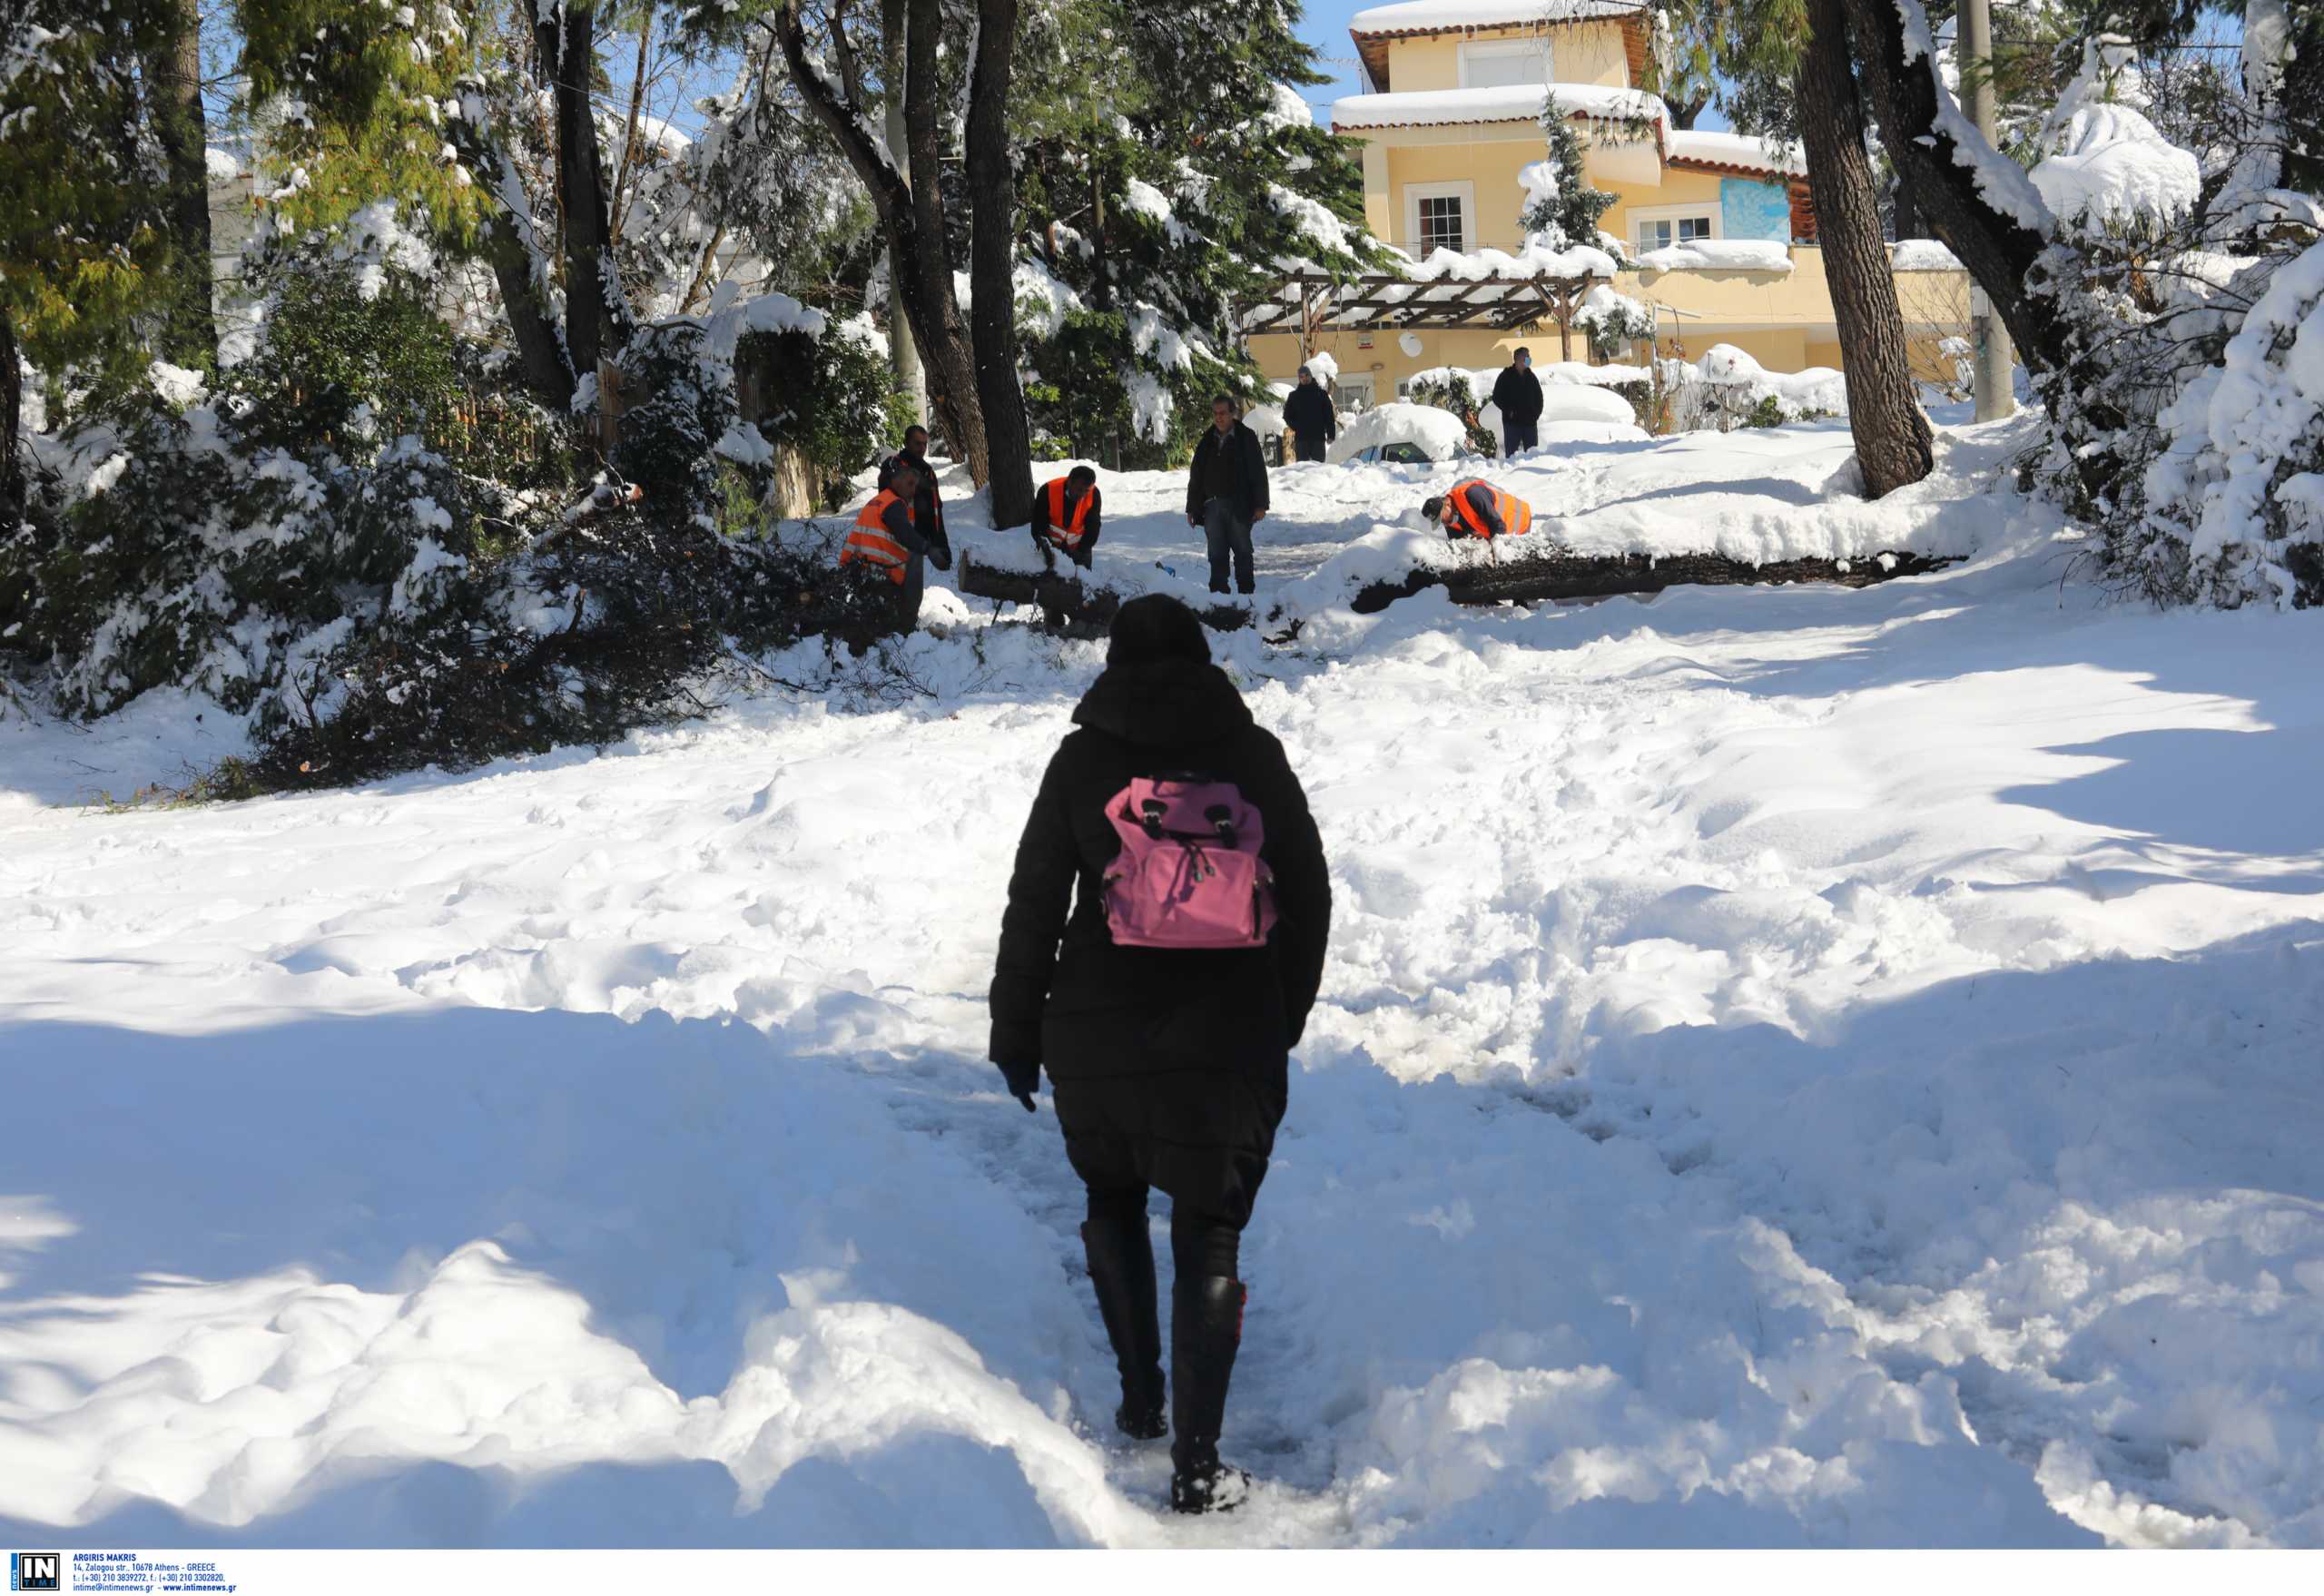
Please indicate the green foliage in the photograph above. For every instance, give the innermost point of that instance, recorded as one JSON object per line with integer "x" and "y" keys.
{"x": 85, "y": 249}
{"x": 1450, "y": 390}
{"x": 1767, "y": 412}
{"x": 1175, "y": 181}
{"x": 1569, "y": 216}
{"x": 677, "y": 409}
{"x": 349, "y": 369}
{"x": 828, "y": 395}
{"x": 608, "y": 630}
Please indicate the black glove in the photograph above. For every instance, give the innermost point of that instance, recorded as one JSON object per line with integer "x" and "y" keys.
{"x": 939, "y": 553}
{"x": 1023, "y": 1080}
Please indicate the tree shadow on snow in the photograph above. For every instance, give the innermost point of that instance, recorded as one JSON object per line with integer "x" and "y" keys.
{"x": 684, "y": 1179}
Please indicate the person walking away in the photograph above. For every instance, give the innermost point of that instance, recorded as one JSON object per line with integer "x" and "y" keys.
{"x": 1308, "y": 413}
{"x": 1164, "y": 1003}
{"x": 1227, "y": 494}
{"x": 1517, "y": 393}
{"x": 1476, "y": 509}
{"x": 885, "y": 552}
{"x": 927, "y": 504}
{"x": 1067, "y": 515}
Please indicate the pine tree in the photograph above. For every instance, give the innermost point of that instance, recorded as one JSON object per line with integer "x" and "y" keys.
{"x": 1169, "y": 172}
{"x": 1565, "y": 206}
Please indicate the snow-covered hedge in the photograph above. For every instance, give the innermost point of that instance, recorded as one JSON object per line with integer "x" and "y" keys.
{"x": 325, "y": 545}
{"x": 2235, "y": 490}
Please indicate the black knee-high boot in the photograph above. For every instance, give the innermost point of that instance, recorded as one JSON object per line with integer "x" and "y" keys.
{"x": 1206, "y": 1330}
{"x": 1121, "y": 1269}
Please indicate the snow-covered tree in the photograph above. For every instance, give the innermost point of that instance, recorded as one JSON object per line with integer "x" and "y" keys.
{"x": 1171, "y": 172}
{"x": 1562, "y": 206}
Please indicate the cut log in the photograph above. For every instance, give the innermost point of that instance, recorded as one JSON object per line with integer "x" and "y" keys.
{"x": 1558, "y": 574}
{"x": 1074, "y": 604}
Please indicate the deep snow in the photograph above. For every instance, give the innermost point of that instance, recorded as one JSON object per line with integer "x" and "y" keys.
{"x": 1796, "y": 1066}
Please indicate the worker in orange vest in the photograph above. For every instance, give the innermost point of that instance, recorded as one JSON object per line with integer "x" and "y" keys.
{"x": 1476, "y": 509}
{"x": 887, "y": 549}
{"x": 1067, "y": 516}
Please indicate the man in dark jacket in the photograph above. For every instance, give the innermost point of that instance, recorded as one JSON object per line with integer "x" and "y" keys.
{"x": 1227, "y": 494}
{"x": 1170, "y": 1066}
{"x": 926, "y": 505}
{"x": 1309, "y": 415}
{"x": 1518, "y": 394}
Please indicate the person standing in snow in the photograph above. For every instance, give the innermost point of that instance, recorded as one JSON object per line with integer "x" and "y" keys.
{"x": 1167, "y": 1061}
{"x": 926, "y": 505}
{"x": 1309, "y": 415}
{"x": 1227, "y": 494}
{"x": 1476, "y": 509}
{"x": 1067, "y": 515}
{"x": 885, "y": 551}
{"x": 1517, "y": 393}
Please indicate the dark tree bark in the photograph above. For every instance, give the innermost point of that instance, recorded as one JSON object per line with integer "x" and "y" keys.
{"x": 903, "y": 347}
{"x": 955, "y": 366}
{"x": 2009, "y": 255}
{"x": 539, "y": 356}
{"x": 12, "y": 414}
{"x": 1999, "y": 249}
{"x": 1893, "y": 446}
{"x": 992, "y": 267}
{"x": 1900, "y": 203}
{"x": 173, "y": 80}
{"x": 913, "y": 217}
{"x": 597, "y": 320}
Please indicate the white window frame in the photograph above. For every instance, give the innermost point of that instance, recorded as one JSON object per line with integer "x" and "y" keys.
{"x": 1503, "y": 50}
{"x": 1674, "y": 214}
{"x": 1464, "y": 191}
{"x": 1356, "y": 381}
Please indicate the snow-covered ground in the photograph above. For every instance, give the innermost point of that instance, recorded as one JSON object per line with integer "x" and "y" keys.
{"x": 1796, "y": 1066}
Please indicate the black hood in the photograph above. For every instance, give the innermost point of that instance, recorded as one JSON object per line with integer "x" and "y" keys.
{"x": 1163, "y": 702}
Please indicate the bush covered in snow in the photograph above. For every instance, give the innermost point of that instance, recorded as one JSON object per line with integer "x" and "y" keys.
{"x": 1448, "y": 387}
{"x": 2226, "y": 504}
{"x": 342, "y": 543}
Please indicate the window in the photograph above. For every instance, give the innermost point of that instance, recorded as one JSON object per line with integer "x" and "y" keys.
{"x": 1659, "y": 230}
{"x": 1440, "y": 216}
{"x": 1351, "y": 391}
{"x": 1440, "y": 222}
{"x": 1499, "y": 63}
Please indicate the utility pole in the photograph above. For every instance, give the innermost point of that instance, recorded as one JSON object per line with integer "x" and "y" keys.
{"x": 1995, "y": 357}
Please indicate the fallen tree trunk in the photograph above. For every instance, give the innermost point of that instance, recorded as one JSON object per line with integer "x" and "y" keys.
{"x": 1551, "y": 577}
{"x": 1074, "y": 606}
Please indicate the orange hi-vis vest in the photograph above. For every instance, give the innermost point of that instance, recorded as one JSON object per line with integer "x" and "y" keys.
{"x": 1059, "y": 533}
{"x": 870, "y": 541}
{"x": 1515, "y": 514}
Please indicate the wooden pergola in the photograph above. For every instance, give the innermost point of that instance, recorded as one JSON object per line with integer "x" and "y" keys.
{"x": 1308, "y": 304}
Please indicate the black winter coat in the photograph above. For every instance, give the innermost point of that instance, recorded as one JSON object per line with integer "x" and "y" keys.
{"x": 1248, "y": 466}
{"x": 1063, "y": 995}
{"x": 1308, "y": 412}
{"x": 928, "y": 505}
{"x": 1518, "y": 393}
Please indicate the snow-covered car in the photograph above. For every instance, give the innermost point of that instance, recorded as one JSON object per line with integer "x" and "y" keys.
{"x": 1401, "y": 434}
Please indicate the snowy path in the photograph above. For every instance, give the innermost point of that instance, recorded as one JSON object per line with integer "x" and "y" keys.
{"x": 1795, "y": 1067}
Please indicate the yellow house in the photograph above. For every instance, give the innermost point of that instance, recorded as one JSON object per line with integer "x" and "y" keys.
{"x": 1719, "y": 226}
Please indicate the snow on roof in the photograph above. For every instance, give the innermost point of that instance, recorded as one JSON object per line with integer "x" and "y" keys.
{"x": 1720, "y": 254}
{"x": 1429, "y": 16}
{"x": 1726, "y": 149}
{"x": 1513, "y": 103}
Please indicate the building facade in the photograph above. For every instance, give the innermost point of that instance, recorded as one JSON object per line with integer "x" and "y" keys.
{"x": 1721, "y": 226}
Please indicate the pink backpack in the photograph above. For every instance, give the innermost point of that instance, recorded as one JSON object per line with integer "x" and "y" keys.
{"x": 1189, "y": 873}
